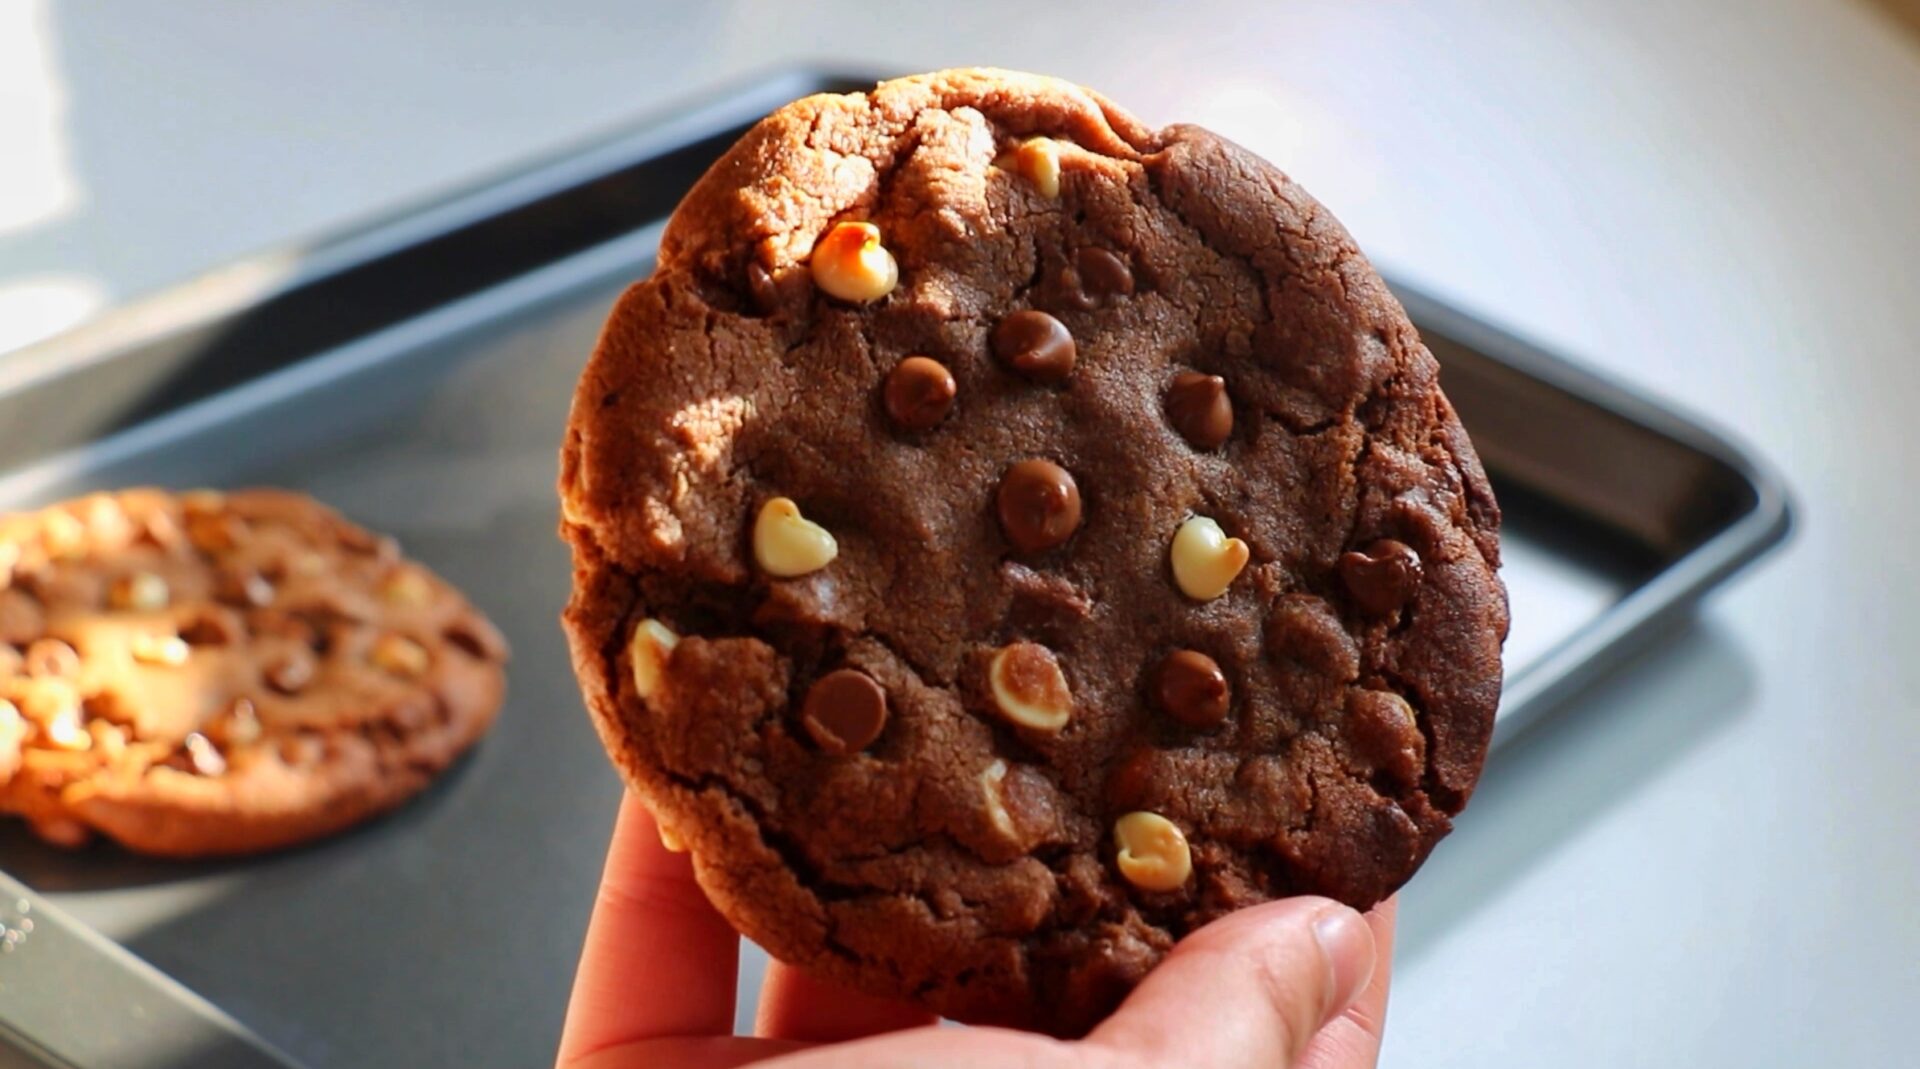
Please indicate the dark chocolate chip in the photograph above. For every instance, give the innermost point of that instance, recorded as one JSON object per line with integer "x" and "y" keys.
{"x": 1094, "y": 276}
{"x": 1190, "y": 687}
{"x": 1103, "y": 273}
{"x": 762, "y": 288}
{"x": 1036, "y": 345}
{"x": 1198, "y": 408}
{"x": 1384, "y": 729}
{"x": 211, "y": 626}
{"x": 1039, "y": 505}
{"x": 918, "y": 393}
{"x": 1382, "y": 578}
{"x": 845, "y": 711}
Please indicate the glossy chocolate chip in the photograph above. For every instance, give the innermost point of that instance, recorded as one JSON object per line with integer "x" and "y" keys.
{"x": 1190, "y": 687}
{"x": 1036, "y": 345}
{"x": 1199, "y": 409}
{"x": 1103, "y": 273}
{"x": 1095, "y": 276}
{"x": 918, "y": 393}
{"x": 764, "y": 292}
{"x": 1382, "y": 578}
{"x": 845, "y": 711}
{"x": 211, "y": 626}
{"x": 1039, "y": 505}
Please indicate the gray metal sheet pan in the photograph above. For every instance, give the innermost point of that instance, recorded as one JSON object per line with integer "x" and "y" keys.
{"x": 416, "y": 374}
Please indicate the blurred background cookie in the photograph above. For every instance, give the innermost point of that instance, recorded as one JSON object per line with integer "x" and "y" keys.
{"x": 207, "y": 673}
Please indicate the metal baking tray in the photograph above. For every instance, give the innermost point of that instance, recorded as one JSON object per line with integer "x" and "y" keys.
{"x": 416, "y": 374}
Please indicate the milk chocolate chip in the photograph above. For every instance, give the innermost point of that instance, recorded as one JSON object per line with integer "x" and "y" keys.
{"x": 845, "y": 711}
{"x": 1382, "y": 578}
{"x": 1198, "y": 407}
{"x": 761, "y": 287}
{"x": 1036, "y": 345}
{"x": 918, "y": 393}
{"x": 1039, "y": 505}
{"x": 1095, "y": 275}
{"x": 1190, "y": 687}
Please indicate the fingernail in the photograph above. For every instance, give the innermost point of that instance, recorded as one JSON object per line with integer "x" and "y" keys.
{"x": 1347, "y": 944}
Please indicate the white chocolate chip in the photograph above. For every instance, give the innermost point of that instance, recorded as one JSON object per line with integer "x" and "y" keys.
{"x": 787, "y": 544}
{"x": 399, "y": 655}
{"x": 64, "y": 535}
{"x": 204, "y": 756}
{"x": 851, "y": 264}
{"x": 652, "y": 645}
{"x": 1028, "y": 688}
{"x": 140, "y": 592}
{"x": 669, "y": 839}
{"x": 1205, "y": 560}
{"x": 406, "y": 587}
{"x": 170, "y": 650}
{"x": 1038, "y": 161}
{"x": 1153, "y": 853}
{"x": 65, "y": 731}
{"x": 997, "y": 815}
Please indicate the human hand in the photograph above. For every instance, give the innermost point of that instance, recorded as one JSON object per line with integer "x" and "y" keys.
{"x": 655, "y": 989}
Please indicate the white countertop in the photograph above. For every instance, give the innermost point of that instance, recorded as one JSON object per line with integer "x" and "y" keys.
{"x": 1713, "y": 858}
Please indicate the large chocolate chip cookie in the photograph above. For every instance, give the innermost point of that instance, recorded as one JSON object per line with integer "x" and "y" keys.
{"x": 1007, "y": 537}
{"x": 225, "y": 673}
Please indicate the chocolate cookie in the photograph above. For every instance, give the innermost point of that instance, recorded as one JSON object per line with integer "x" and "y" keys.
{"x": 225, "y": 673}
{"x": 1007, "y": 538}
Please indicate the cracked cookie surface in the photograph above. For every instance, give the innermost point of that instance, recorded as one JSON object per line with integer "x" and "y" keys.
{"x": 207, "y": 673}
{"x": 1125, "y": 567}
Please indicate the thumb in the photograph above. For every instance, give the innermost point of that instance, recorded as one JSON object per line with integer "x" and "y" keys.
{"x": 1250, "y": 989}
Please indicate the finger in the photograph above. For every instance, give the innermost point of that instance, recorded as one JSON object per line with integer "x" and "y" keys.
{"x": 941, "y": 1048}
{"x": 658, "y": 961}
{"x": 795, "y": 1005}
{"x": 701, "y": 1052}
{"x": 1250, "y": 989}
{"x": 1352, "y": 1040}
